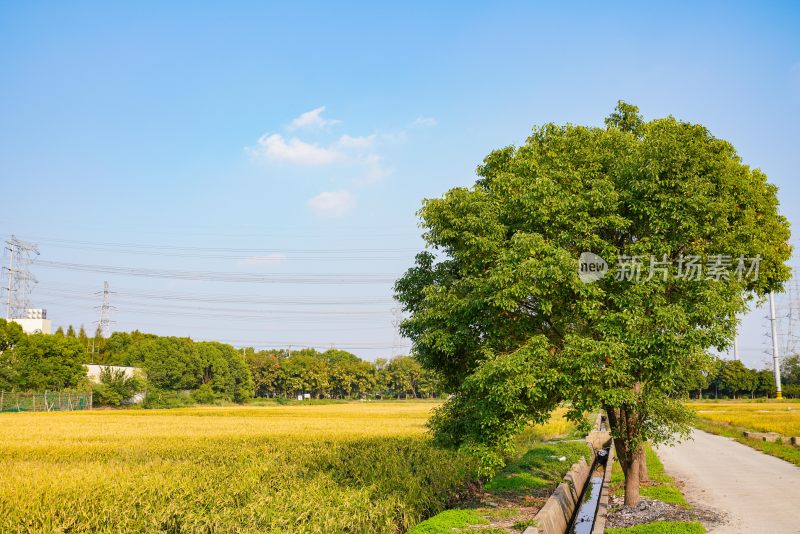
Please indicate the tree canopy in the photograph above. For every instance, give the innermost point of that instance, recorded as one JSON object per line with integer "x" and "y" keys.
{"x": 498, "y": 307}
{"x": 44, "y": 362}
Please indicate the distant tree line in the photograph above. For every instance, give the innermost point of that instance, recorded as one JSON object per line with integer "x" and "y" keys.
{"x": 338, "y": 374}
{"x": 732, "y": 379}
{"x": 178, "y": 371}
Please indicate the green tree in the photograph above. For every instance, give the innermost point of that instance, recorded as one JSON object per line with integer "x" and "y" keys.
{"x": 734, "y": 377}
{"x": 699, "y": 378}
{"x": 752, "y": 382}
{"x": 116, "y": 387}
{"x": 342, "y": 366}
{"x": 265, "y": 370}
{"x": 46, "y": 362}
{"x": 405, "y": 373}
{"x": 169, "y": 362}
{"x": 10, "y": 334}
{"x": 498, "y": 308}
{"x": 223, "y": 369}
{"x": 766, "y": 383}
{"x": 314, "y": 372}
{"x": 790, "y": 369}
{"x": 70, "y": 331}
{"x": 82, "y": 337}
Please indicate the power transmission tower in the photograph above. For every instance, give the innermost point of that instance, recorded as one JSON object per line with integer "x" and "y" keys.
{"x": 19, "y": 280}
{"x": 105, "y": 311}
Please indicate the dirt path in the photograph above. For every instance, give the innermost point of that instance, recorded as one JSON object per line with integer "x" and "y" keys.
{"x": 757, "y": 493}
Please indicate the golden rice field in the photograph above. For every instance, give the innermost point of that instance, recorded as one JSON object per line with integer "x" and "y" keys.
{"x": 772, "y": 416}
{"x": 357, "y": 467}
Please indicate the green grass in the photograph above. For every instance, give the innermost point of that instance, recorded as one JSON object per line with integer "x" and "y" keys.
{"x": 661, "y": 486}
{"x": 661, "y": 527}
{"x": 538, "y": 468}
{"x": 784, "y": 451}
{"x": 535, "y": 472}
{"x": 449, "y": 521}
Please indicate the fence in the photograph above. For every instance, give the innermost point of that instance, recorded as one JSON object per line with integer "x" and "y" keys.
{"x": 49, "y": 401}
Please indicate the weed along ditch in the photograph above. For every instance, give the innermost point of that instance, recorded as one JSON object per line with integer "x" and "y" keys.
{"x": 578, "y": 505}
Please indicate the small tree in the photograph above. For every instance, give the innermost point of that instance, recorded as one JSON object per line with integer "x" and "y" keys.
{"x": 497, "y": 305}
{"x": 734, "y": 377}
{"x": 116, "y": 387}
{"x": 790, "y": 369}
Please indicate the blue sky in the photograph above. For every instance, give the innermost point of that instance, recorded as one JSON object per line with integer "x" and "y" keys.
{"x": 295, "y": 137}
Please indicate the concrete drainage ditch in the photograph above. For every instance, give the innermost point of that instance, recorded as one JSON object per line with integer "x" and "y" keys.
{"x": 579, "y": 504}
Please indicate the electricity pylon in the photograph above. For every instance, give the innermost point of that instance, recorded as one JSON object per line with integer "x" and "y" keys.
{"x": 19, "y": 280}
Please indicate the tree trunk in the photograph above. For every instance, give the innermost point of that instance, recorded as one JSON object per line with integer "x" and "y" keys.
{"x": 624, "y": 424}
{"x": 643, "y": 474}
{"x": 632, "y": 481}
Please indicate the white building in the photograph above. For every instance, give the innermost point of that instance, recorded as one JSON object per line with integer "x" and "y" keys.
{"x": 34, "y": 322}
{"x": 93, "y": 370}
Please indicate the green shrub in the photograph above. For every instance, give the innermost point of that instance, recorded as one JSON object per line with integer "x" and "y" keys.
{"x": 449, "y": 521}
{"x": 159, "y": 398}
{"x": 116, "y": 388}
{"x": 205, "y": 395}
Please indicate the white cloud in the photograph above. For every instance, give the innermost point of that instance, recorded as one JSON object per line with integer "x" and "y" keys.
{"x": 275, "y": 148}
{"x": 424, "y": 122}
{"x": 312, "y": 119}
{"x": 332, "y": 203}
{"x": 358, "y": 155}
{"x": 359, "y": 142}
{"x": 270, "y": 259}
{"x": 375, "y": 170}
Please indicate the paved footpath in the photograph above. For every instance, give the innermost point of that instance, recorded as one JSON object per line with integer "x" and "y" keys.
{"x": 756, "y": 492}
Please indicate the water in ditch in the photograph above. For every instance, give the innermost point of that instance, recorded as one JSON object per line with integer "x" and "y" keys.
{"x": 584, "y": 518}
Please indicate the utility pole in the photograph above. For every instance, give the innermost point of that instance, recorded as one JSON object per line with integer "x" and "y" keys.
{"x": 19, "y": 278}
{"x": 736, "y": 347}
{"x": 776, "y": 368}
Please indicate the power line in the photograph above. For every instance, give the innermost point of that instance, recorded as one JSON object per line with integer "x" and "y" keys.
{"x": 230, "y": 252}
{"x": 236, "y": 277}
{"x": 133, "y": 304}
{"x": 226, "y": 298}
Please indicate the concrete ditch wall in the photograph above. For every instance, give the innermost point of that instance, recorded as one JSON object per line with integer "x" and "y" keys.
{"x": 602, "y": 506}
{"x": 555, "y": 515}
